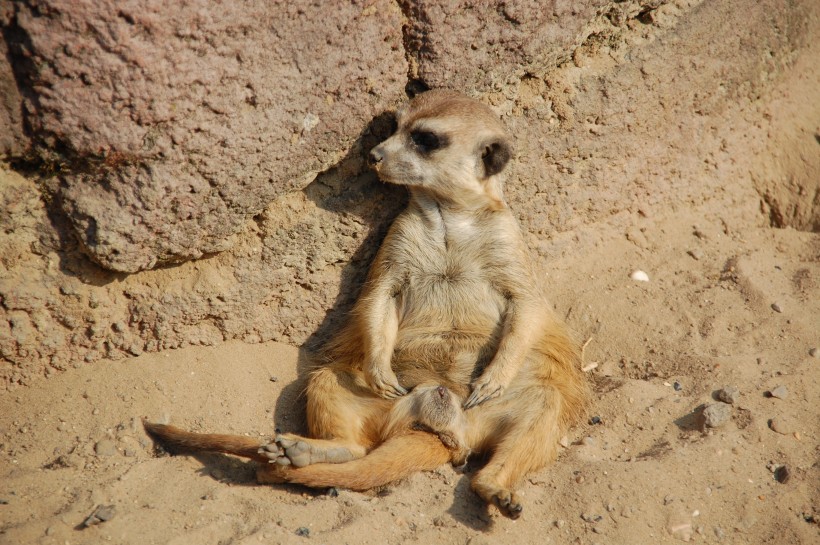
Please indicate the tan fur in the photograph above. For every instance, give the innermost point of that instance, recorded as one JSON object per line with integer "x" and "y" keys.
{"x": 451, "y": 299}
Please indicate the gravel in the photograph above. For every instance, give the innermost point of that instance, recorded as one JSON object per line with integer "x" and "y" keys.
{"x": 781, "y": 392}
{"x": 716, "y": 415}
{"x": 728, "y": 394}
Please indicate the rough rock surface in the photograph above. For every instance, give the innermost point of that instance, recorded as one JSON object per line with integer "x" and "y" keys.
{"x": 13, "y": 141}
{"x": 661, "y": 111}
{"x": 179, "y": 123}
{"x": 489, "y": 46}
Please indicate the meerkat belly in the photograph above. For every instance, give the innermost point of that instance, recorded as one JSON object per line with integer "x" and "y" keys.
{"x": 449, "y": 320}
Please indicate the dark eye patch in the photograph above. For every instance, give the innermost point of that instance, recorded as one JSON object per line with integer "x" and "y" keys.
{"x": 427, "y": 141}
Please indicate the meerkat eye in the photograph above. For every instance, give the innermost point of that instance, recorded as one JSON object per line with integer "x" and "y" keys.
{"x": 425, "y": 141}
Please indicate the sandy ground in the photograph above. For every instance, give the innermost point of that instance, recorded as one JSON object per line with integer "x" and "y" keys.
{"x": 730, "y": 301}
{"x": 646, "y": 474}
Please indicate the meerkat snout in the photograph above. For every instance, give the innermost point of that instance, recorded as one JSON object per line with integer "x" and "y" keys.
{"x": 375, "y": 156}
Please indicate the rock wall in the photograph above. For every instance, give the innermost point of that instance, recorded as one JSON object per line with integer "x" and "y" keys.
{"x": 180, "y": 123}
{"x": 210, "y": 161}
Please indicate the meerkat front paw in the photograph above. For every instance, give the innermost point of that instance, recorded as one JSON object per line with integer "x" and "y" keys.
{"x": 384, "y": 383}
{"x": 484, "y": 389}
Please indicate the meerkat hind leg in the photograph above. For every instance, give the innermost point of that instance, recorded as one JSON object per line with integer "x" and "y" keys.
{"x": 522, "y": 446}
{"x": 337, "y": 417}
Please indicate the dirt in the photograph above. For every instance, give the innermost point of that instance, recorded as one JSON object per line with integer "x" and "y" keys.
{"x": 723, "y": 221}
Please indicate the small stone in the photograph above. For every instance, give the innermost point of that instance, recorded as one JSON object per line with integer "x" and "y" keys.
{"x": 587, "y": 517}
{"x": 782, "y": 474}
{"x": 105, "y": 447}
{"x": 719, "y": 533}
{"x": 716, "y": 415}
{"x": 781, "y": 392}
{"x": 728, "y": 394}
{"x": 639, "y": 276}
{"x": 579, "y": 479}
{"x": 696, "y": 254}
{"x": 102, "y": 513}
{"x": 595, "y": 420}
{"x": 564, "y": 442}
{"x": 274, "y": 379}
{"x": 560, "y": 523}
{"x": 332, "y": 492}
{"x": 677, "y": 386}
{"x": 303, "y": 531}
{"x": 814, "y": 353}
{"x": 780, "y": 426}
{"x": 588, "y": 442}
{"x": 95, "y": 412}
{"x": 776, "y": 307}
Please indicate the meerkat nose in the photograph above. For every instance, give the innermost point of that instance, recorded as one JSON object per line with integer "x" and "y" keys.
{"x": 442, "y": 391}
{"x": 375, "y": 156}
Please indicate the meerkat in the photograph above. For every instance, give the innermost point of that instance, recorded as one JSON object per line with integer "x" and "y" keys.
{"x": 451, "y": 298}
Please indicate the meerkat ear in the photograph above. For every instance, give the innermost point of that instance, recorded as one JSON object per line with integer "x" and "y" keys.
{"x": 495, "y": 155}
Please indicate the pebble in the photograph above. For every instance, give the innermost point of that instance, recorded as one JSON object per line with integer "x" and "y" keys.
{"x": 782, "y": 474}
{"x": 588, "y": 442}
{"x": 696, "y": 254}
{"x": 776, "y": 307}
{"x": 814, "y": 353}
{"x": 677, "y": 386}
{"x": 564, "y": 442}
{"x": 591, "y": 518}
{"x": 595, "y": 420}
{"x": 781, "y": 392}
{"x": 716, "y": 415}
{"x": 728, "y": 394}
{"x": 778, "y": 425}
{"x": 639, "y": 276}
{"x": 303, "y": 531}
{"x": 102, "y": 513}
{"x": 560, "y": 523}
{"x": 105, "y": 447}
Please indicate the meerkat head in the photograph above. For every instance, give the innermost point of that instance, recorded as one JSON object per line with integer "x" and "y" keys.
{"x": 436, "y": 409}
{"x": 449, "y": 145}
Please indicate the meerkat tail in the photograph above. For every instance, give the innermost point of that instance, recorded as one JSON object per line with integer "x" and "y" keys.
{"x": 176, "y": 440}
{"x": 396, "y": 458}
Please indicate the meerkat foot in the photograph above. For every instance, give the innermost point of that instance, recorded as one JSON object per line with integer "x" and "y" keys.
{"x": 508, "y": 503}
{"x": 505, "y": 499}
{"x": 287, "y": 449}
